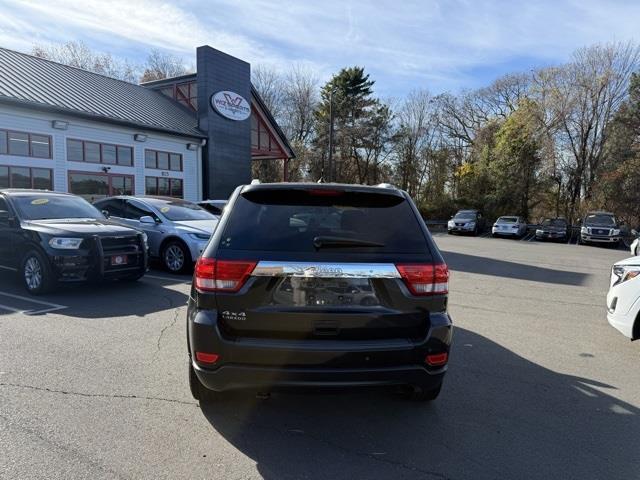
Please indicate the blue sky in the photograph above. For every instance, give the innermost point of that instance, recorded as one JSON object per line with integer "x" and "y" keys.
{"x": 438, "y": 45}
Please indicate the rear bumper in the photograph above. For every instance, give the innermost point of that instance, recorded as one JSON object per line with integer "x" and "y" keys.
{"x": 273, "y": 363}
{"x": 551, "y": 235}
{"x": 505, "y": 233}
{"x": 233, "y": 377}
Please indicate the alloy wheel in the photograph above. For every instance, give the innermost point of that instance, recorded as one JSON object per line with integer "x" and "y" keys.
{"x": 174, "y": 258}
{"x": 33, "y": 273}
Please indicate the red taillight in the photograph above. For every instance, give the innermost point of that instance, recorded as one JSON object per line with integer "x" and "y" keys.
{"x": 213, "y": 275}
{"x": 437, "y": 359}
{"x": 203, "y": 357}
{"x": 425, "y": 278}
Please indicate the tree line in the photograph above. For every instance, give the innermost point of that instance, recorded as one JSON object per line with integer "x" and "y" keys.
{"x": 555, "y": 141}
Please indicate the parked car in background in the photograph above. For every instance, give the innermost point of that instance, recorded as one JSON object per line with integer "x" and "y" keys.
{"x": 466, "y": 221}
{"x": 509, "y": 226}
{"x": 623, "y": 299}
{"x": 553, "y": 229}
{"x": 213, "y": 206}
{"x": 49, "y": 237}
{"x": 635, "y": 245}
{"x": 600, "y": 227}
{"x": 178, "y": 230}
{"x": 307, "y": 285}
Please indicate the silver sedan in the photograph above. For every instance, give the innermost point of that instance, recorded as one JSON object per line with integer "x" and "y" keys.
{"x": 178, "y": 231}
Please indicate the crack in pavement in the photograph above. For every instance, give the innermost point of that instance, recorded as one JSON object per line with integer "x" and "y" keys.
{"x": 97, "y": 395}
{"x": 164, "y": 329}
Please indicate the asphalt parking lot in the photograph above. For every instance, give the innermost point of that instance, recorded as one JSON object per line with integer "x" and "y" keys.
{"x": 93, "y": 385}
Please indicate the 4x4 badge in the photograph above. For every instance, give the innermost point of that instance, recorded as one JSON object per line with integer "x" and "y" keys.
{"x": 237, "y": 316}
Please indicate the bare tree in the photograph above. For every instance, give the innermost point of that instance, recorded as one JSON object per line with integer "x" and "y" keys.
{"x": 161, "y": 64}
{"x": 584, "y": 96}
{"x": 417, "y": 131}
{"x": 78, "y": 54}
{"x": 270, "y": 85}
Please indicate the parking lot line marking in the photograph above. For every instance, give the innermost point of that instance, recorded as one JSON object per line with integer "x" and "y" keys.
{"x": 31, "y": 300}
{"x": 51, "y": 307}
{"x": 533, "y": 237}
{"x": 168, "y": 279}
{"x": 11, "y": 309}
{"x": 527, "y": 237}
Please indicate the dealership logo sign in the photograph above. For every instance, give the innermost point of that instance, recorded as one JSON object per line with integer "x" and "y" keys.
{"x": 231, "y": 105}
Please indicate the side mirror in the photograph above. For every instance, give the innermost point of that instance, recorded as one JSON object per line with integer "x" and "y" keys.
{"x": 634, "y": 233}
{"x": 147, "y": 220}
{"x": 106, "y": 213}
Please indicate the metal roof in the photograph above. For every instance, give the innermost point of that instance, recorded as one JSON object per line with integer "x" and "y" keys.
{"x": 37, "y": 83}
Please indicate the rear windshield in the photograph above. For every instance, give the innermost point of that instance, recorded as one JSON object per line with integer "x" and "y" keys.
{"x": 507, "y": 220}
{"x": 300, "y": 221}
{"x": 554, "y": 222}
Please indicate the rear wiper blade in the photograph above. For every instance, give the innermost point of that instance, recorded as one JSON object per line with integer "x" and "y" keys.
{"x": 328, "y": 241}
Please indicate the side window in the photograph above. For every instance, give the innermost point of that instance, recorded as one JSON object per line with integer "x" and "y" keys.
{"x": 135, "y": 210}
{"x": 114, "y": 206}
{"x": 4, "y": 213}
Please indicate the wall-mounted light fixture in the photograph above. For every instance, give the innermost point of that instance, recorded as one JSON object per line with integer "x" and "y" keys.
{"x": 60, "y": 124}
{"x": 203, "y": 142}
{"x": 192, "y": 146}
{"x": 140, "y": 137}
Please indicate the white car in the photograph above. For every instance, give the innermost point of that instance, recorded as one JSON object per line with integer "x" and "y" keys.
{"x": 509, "y": 226}
{"x": 623, "y": 299}
{"x": 635, "y": 246}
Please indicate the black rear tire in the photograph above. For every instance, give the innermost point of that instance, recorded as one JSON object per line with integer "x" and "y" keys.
{"x": 198, "y": 390}
{"x": 35, "y": 273}
{"x": 420, "y": 394}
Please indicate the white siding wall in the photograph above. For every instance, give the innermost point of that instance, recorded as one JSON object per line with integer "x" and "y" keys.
{"x": 36, "y": 122}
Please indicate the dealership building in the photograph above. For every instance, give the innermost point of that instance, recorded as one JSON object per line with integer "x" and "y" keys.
{"x": 192, "y": 137}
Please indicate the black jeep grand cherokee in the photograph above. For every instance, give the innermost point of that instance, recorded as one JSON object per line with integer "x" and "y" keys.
{"x": 319, "y": 285}
{"x": 50, "y": 237}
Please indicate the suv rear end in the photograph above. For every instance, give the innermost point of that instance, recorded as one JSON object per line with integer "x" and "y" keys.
{"x": 321, "y": 286}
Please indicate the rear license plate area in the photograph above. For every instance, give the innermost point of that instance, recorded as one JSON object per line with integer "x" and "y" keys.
{"x": 307, "y": 292}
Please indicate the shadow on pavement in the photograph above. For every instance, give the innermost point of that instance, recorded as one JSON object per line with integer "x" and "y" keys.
{"x": 502, "y": 268}
{"x": 153, "y": 293}
{"x": 499, "y": 416}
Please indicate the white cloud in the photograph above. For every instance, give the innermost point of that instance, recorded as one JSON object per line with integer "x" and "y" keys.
{"x": 441, "y": 44}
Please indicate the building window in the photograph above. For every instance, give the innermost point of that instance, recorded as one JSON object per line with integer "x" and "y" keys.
{"x": 25, "y": 144}
{"x": 163, "y": 186}
{"x": 26, "y": 177}
{"x": 163, "y": 160}
{"x": 93, "y": 152}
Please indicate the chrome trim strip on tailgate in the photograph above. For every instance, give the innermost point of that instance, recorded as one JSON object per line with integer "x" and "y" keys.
{"x": 325, "y": 270}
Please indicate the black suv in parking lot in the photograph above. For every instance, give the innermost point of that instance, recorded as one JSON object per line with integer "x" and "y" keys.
{"x": 319, "y": 285}
{"x": 49, "y": 237}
